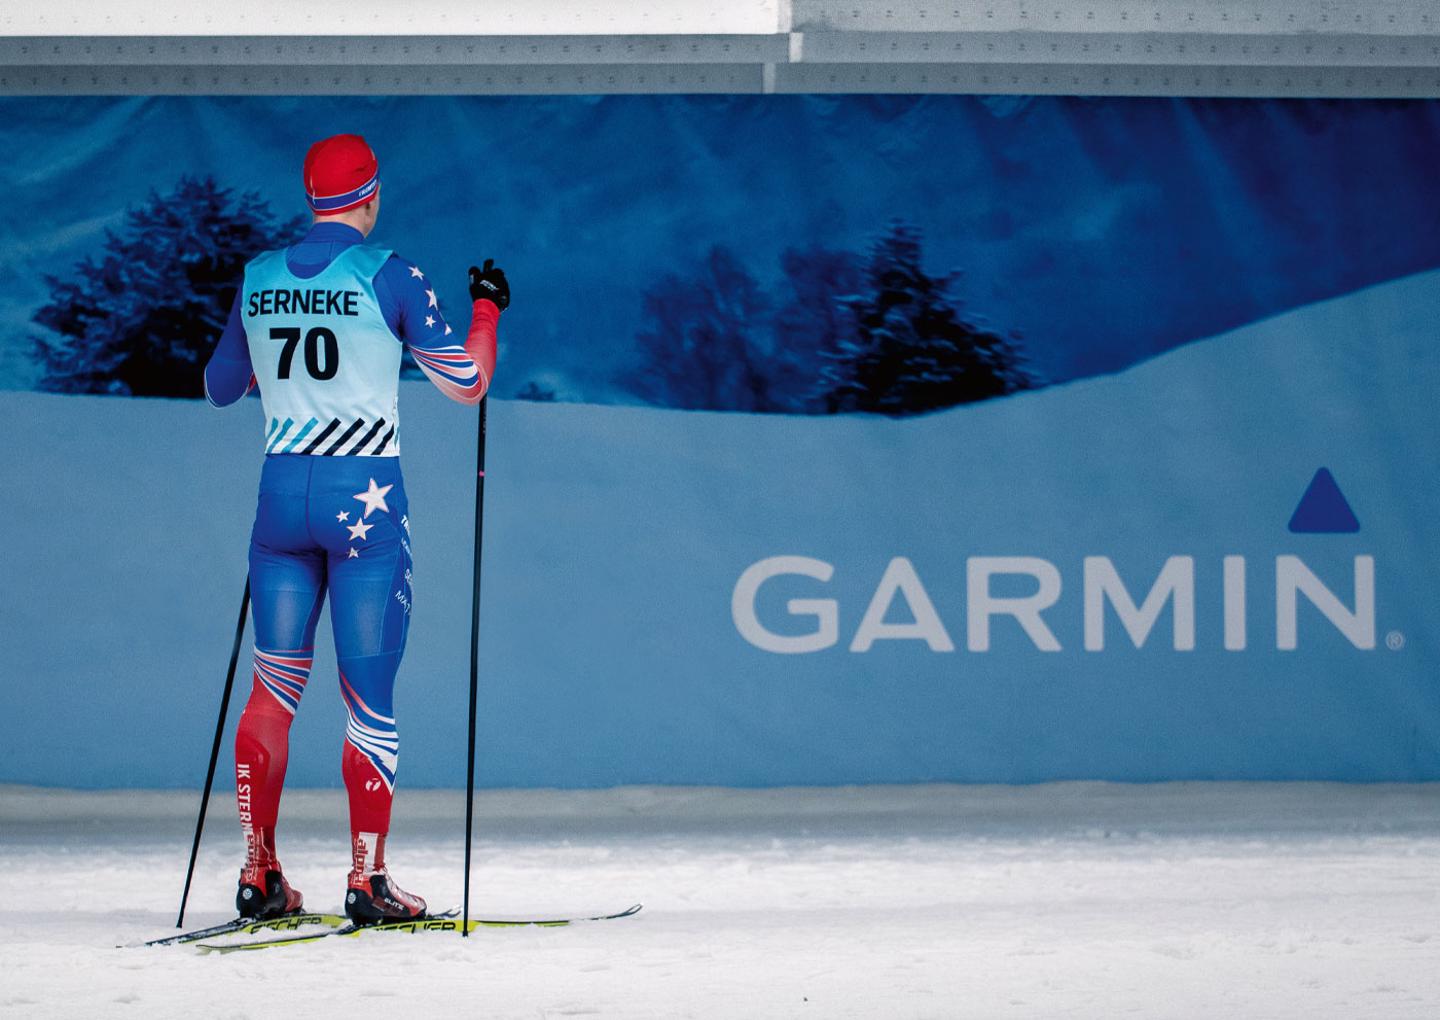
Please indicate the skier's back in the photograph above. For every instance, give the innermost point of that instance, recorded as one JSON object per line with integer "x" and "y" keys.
{"x": 319, "y": 328}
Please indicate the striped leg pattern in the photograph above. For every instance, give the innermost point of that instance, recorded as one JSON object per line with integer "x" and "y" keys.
{"x": 372, "y": 752}
{"x": 262, "y": 743}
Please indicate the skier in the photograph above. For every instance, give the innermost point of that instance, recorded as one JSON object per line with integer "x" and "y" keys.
{"x": 319, "y": 327}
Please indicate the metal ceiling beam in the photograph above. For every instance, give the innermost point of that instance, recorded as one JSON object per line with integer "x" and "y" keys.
{"x": 1102, "y": 80}
{"x": 400, "y": 50}
{"x": 810, "y": 47}
{"x": 1370, "y": 48}
{"x": 1191, "y": 17}
{"x": 1174, "y": 49}
{"x": 599, "y": 79}
{"x": 388, "y": 79}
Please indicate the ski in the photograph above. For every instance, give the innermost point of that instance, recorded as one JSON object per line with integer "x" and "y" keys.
{"x": 558, "y": 922}
{"x": 246, "y": 926}
{"x": 343, "y": 926}
{"x": 444, "y": 922}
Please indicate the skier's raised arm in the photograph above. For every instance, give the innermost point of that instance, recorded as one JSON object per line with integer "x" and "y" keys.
{"x": 461, "y": 372}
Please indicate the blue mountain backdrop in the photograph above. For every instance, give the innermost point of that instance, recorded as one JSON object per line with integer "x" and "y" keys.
{"x": 1093, "y": 232}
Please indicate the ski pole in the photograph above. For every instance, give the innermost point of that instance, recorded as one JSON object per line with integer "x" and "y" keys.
{"x": 474, "y": 657}
{"x": 215, "y": 749}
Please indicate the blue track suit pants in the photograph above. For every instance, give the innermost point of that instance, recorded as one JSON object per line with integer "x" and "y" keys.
{"x": 336, "y": 524}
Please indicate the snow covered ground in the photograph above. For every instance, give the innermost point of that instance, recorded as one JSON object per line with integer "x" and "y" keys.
{"x": 1085, "y": 900}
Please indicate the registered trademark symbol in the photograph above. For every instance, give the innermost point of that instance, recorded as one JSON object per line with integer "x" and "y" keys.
{"x": 1394, "y": 641}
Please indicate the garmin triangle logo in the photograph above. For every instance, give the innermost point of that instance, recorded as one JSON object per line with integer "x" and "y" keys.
{"x": 1323, "y": 510}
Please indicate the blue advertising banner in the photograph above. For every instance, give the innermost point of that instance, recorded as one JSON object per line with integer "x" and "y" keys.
{"x": 962, "y": 439}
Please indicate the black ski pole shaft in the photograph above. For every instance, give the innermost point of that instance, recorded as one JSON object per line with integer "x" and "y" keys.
{"x": 474, "y": 657}
{"x": 215, "y": 749}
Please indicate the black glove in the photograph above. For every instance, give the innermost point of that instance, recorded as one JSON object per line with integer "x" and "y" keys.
{"x": 490, "y": 284}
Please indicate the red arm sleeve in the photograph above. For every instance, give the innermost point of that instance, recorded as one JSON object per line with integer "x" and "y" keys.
{"x": 463, "y": 373}
{"x": 481, "y": 340}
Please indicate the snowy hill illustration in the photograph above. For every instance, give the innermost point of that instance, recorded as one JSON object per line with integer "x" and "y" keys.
{"x": 615, "y": 537}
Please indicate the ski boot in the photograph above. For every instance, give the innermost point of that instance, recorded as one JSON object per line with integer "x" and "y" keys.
{"x": 264, "y": 893}
{"x": 371, "y": 895}
{"x": 374, "y": 898}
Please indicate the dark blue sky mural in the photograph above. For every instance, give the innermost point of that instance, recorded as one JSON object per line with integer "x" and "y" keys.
{"x": 1103, "y": 231}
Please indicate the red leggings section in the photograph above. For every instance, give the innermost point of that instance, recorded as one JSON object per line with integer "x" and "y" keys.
{"x": 262, "y": 750}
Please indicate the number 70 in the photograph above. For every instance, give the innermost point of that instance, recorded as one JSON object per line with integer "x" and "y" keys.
{"x": 313, "y": 339}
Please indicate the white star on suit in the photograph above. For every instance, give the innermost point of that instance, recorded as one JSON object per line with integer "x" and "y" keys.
{"x": 354, "y": 554}
{"x": 357, "y": 530}
{"x": 415, "y": 272}
{"x": 374, "y": 498}
{"x": 448, "y": 330}
{"x": 343, "y": 516}
{"x": 431, "y": 295}
{"x": 429, "y": 320}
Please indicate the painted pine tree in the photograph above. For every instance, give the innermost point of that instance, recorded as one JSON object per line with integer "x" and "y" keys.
{"x": 142, "y": 317}
{"x": 911, "y": 348}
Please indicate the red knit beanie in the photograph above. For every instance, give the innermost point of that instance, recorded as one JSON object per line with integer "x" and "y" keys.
{"x": 340, "y": 173}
